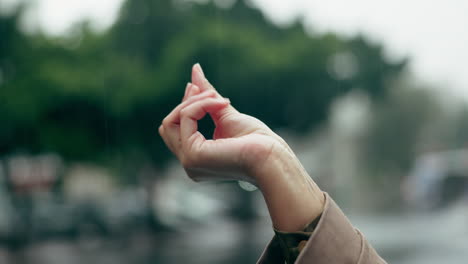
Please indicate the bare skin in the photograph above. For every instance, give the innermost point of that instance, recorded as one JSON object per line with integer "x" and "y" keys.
{"x": 243, "y": 148}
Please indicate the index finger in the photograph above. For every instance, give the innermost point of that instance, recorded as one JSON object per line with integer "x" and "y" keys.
{"x": 199, "y": 79}
{"x": 191, "y": 114}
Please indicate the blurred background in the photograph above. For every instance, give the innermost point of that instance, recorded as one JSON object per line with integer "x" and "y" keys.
{"x": 372, "y": 96}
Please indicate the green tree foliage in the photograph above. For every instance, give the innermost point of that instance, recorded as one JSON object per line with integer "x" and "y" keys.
{"x": 101, "y": 96}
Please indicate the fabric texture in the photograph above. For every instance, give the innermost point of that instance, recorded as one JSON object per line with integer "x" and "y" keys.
{"x": 333, "y": 240}
{"x": 292, "y": 243}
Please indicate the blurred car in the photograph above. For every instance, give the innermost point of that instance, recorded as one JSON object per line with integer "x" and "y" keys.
{"x": 437, "y": 178}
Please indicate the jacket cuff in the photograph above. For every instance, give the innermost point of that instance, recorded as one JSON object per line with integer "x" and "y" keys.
{"x": 292, "y": 243}
{"x": 335, "y": 240}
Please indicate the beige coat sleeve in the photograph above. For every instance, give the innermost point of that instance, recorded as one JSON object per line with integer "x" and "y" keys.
{"x": 334, "y": 240}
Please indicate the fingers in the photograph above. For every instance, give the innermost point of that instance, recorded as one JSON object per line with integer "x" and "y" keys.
{"x": 186, "y": 92}
{"x": 167, "y": 139}
{"x": 193, "y": 90}
{"x": 199, "y": 99}
{"x": 190, "y": 90}
{"x": 190, "y": 115}
{"x": 199, "y": 79}
{"x": 169, "y": 130}
{"x": 194, "y": 95}
{"x": 163, "y": 135}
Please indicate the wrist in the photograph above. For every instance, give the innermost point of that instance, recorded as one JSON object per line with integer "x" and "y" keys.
{"x": 292, "y": 197}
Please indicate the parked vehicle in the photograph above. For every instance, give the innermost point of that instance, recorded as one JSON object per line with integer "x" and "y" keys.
{"x": 437, "y": 178}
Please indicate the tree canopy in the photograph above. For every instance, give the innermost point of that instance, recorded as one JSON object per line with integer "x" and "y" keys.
{"x": 101, "y": 96}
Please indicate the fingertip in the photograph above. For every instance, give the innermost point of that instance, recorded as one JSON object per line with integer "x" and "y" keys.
{"x": 194, "y": 70}
{"x": 209, "y": 93}
{"x": 195, "y": 89}
{"x": 194, "y": 75}
{"x": 187, "y": 86}
{"x": 161, "y": 130}
{"x": 187, "y": 91}
{"x": 218, "y": 104}
{"x": 198, "y": 68}
{"x": 197, "y": 76}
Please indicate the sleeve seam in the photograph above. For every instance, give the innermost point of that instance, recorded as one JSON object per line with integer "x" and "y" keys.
{"x": 361, "y": 254}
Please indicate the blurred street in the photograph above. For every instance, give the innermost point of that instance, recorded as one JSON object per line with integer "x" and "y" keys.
{"x": 435, "y": 237}
{"x": 429, "y": 238}
{"x": 373, "y": 105}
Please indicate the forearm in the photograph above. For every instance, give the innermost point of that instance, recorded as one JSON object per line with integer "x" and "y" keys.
{"x": 243, "y": 144}
{"x": 292, "y": 197}
{"x": 294, "y": 201}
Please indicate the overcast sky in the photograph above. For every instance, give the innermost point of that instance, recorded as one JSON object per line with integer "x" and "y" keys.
{"x": 434, "y": 34}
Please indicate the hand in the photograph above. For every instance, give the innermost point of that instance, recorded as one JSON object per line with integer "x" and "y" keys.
{"x": 240, "y": 144}
{"x": 243, "y": 148}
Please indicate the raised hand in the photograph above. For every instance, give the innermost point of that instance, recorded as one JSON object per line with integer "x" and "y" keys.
{"x": 241, "y": 143}
{"x": 242, "y": 148}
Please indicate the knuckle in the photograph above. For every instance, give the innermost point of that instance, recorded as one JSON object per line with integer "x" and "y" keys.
{"x": 207, "y": 93}
{"x": 186, "y": 162}
{"x": 190, "y": 160}
{"x": 165, "y": 121}
{"x": 185, "y": 111}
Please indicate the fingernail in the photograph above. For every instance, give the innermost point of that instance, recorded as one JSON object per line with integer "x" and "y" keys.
{"x": 186, "y": 89}
{"x": 227, "y": 100}
{"x": 198, "y": 66}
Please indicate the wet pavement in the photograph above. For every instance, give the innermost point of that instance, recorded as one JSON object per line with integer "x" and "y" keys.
{"x": 431, "y": 238}
{"x": 219, "y": 242}
{"x": 437, "y": 237}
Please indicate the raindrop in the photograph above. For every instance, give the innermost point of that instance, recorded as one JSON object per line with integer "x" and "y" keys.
{"x": 247, "y": 186}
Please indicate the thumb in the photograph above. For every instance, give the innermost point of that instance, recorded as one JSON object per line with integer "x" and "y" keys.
{"x": 199, "y": 79}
